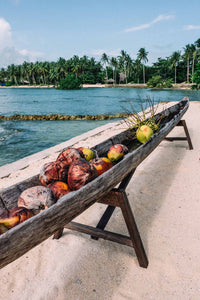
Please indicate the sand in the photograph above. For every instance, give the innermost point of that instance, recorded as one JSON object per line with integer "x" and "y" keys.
{"x": 179, "y": 86}
{"x": 164, "y": 196}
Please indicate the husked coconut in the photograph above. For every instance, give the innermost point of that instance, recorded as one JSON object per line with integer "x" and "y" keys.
{"x": 36, "y": 198}
{"x": 53, "y": 171}
{"x": 69, "y": 155}
{"x": 80, "y": 173}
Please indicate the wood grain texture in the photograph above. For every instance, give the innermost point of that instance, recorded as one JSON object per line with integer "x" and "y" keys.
{"x": 20, "y": 239}
{"x": 99, "y": 233}
{"x": 10, "y": 195}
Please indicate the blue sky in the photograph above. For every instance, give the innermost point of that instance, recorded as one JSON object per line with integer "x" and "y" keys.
{"x": 46, "y": 30}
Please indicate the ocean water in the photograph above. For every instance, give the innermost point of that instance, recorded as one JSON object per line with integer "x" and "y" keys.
{"x": 21, "y": 138}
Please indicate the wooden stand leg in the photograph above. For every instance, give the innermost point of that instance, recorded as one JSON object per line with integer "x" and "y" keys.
{"x": 58, "y": 233}
{"x": 187, "y": 134}
{"x": 104, "y": 219}
{"x": 187, "y": 138}
{"x": 115, "y": 198}
{"x": 133, "y": 230}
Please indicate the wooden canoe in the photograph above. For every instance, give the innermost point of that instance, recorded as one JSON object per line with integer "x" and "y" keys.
{"x": 20, "y": 239}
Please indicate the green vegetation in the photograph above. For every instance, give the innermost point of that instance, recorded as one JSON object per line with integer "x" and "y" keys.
{"x": 196, "y": 78}
{"x": 71, "y": 82}
{"x": 146, "y": 116}
{"x": 158, "y": 82}
{"x": 181, "y": 66}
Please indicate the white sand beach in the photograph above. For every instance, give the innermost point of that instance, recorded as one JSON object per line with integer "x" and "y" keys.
{"x": 180, "y": 86}
{"x": 164, "y": 196}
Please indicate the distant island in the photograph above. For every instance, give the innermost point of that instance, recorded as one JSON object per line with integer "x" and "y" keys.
{"x": 179, "y": 68}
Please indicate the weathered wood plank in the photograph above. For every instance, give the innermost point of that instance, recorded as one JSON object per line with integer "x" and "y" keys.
{"x": 2, "y": 207}
{"x": 10, "y": 195}
{"x": 99, "y": 233}
{"x": 35, "y": 230}
{"x": 110, "y": 198}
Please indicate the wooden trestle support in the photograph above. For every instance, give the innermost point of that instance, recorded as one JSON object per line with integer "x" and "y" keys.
{"x": 117, "y": 197}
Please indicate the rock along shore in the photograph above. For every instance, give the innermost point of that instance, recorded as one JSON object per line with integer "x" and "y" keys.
{"x": 59, "y": 117}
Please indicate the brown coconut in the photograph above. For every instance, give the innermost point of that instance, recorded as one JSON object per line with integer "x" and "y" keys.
{"x": 59, "y": 189}
{"x": 69, "y": 155}
{"x": 53, "y": 171}
{"x": 80, "y": 173}
{"x": 14, "y": 216}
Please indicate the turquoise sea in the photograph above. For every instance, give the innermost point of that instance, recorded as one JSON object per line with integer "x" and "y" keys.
{"x": 21, "y": 138}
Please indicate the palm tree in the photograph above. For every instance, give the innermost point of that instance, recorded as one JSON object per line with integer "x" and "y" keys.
{"x": 188, "y": 52}
{"x": 194, "y": 56}
{"x": 175, "y": 58}
{"x": 53, "y": 75}
{"x": 129, "y": 65}
{"x": 142, "y": 56}
{"x": 25, "y": 71}
{"x": 44, "y": 70}
{"x": 114, "y": 64}
{"x": 12, "y": 73}
{"x": 137, "y": 69}
{"x": 61, "y": 68}
{"x": 75, "y": 65}
{"x": 83, "y": 64}
{"x": 197, "y": 43}
{"x": 123, "y": 62}
{"x": 105, "y": 59}
{"x": 3, "y": 74}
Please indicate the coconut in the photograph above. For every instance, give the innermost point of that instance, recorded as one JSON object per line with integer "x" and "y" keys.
{"x": 53, "y": 171}
{"x": 80, "y": 173}
{"x": 59, "y": 189}
{"x": 14, "y": 216}
{"x": 36, "y": 198}
{"x": 69, "y": 155}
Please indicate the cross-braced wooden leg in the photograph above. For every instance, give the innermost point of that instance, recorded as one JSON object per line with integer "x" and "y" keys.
{"x": 133, "y": 230}
{"x": 187, "y": 134}
{"x": 187, "y": 138}
{"x": 58, "y": 233}
{"x": 104, "y": 219}
{"x": 115, "y": 198}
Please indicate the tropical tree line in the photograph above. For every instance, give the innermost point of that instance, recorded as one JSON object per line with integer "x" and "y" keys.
{"x": 180, "y": 66}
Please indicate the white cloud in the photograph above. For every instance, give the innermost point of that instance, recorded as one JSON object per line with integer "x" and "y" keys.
{"x": 8, "y": 53}
{"x": 33, "y": 55}
{"x": 99, "y": 52}
{"x": 191, "y": 27}
{"x": 147, "y": 25}
{"x": 5, "y": 34}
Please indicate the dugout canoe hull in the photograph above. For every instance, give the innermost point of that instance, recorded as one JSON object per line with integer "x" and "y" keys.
{"x": 20, "y": 239}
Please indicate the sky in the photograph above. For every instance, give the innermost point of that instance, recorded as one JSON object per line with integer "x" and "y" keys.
{"x": 42, "y": 30}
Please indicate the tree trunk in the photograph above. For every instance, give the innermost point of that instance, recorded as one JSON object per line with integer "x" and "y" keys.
{"x": 143, "y": 74}
{"x": 15, "y": 79}
{"x": 125, "y": 73}
{"x": 27, "y": 78}
{"x": 44, "y": 79}
{"x": 188, "y": 67}
{"x": 192, "y": 69}
{"x": 175, "y": 75}
{"x": 115, "y": 76}
{"x": 33, "y": 79}
{"x": 106, "y": 72}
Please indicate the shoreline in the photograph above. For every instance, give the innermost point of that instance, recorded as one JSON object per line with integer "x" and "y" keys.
{"x": 179, "y": 86}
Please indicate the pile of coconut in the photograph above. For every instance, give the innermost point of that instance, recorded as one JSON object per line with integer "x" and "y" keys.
{"x": 72, "y": 169}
